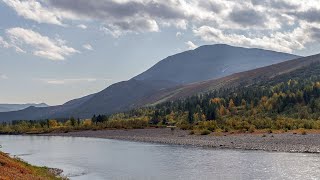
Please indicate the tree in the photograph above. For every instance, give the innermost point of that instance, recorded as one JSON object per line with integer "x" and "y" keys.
{"x": 78, "y": 122}
{"x": 52, "y": 123}
{"x": 94, "y": 119}
{"x": 190, "y": 117}
{"x": 232, "y": 107}
{"x": 73, "y": 121}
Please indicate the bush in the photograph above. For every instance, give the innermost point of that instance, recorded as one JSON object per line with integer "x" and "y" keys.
{"x": 208, "y": 125}
{"x": 252, "y": 128}
{"x": 184, "y": 126}
{"x": 205, "y": 132}
{"x": 191, "y": 132}
{"x": 303, "y": 131}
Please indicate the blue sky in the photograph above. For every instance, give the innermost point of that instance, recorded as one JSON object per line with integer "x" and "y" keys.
{"x": 56, "y": 50}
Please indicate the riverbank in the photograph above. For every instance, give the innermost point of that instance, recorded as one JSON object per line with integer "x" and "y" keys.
{"x": 14, "y": 168}
{"x": 283, "y": 142}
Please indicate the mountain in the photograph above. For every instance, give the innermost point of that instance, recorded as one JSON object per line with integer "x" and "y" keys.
{"x": 284, "y": 96}
{"x": 211, "y": 62}
{"x": 238, "y": 79}
{"x": 203, "y": 63}
{"x": 16, "y": 107}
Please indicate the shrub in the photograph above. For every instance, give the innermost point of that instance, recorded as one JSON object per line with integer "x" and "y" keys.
{"x": 218, "y": 132}
{"x": 184, "y": 126}
{"x": 208, "y": 125}
{"x": 303, "y": 131}
{"x": 205, "y": 132}
{"x": 252, "y": 128}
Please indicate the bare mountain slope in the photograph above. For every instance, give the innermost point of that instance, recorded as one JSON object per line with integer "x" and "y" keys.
{"x": 211, "y": 62}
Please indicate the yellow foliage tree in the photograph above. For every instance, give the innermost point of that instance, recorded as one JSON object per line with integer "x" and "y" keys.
{"x": 87, "y": 122}
{"x": 53, "y": 123}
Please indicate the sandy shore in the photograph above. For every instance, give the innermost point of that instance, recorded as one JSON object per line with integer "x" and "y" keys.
{"x": 286, "y": 142}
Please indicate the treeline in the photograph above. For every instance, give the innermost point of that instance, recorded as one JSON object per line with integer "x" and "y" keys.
{"x": 95, "y": 123}
{"x": 286, "y": 102}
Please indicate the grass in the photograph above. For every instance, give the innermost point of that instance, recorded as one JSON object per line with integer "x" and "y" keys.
{"x": 205, "y": 132}
{"x": 14, "y": 168}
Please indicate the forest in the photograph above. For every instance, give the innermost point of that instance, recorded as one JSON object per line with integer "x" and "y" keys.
{"x": 285, "y": 102}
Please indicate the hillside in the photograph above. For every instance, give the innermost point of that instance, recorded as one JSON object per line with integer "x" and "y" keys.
{"x": 203, "y": 63}
{"x": 244, "y": 79}
{"x": 284, "y": 97}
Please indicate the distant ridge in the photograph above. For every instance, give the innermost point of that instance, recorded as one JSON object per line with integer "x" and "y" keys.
{"x": 16, "y": 107}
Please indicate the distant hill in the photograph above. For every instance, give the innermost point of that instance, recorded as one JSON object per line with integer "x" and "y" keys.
{"x": 16, "y": 107}
{"x": 203, "y": 63}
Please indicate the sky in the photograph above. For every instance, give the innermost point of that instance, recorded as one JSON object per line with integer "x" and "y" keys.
{"x": 53, "y": 51}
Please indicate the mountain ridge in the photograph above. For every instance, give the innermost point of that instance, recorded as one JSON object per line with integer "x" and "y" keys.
{"x": 16, "y": 107}
{"x": 245, "y": 78}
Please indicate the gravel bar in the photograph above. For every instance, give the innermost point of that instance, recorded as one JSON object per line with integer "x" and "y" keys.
{"x": 285, "y": 142}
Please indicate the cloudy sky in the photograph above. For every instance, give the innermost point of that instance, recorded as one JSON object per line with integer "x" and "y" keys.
{"x": 55, "y": 50}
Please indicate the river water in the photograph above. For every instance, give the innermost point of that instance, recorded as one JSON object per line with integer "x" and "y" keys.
{"x": 94, "y": 159}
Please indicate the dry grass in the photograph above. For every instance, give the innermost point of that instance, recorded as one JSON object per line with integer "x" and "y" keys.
{"x": 15, "y": 169}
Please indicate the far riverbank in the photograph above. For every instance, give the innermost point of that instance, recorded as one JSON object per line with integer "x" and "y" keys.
{"x": 283, "y": 142}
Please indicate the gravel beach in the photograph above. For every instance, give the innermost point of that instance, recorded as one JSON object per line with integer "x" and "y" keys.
{"x": 285, "y": 142}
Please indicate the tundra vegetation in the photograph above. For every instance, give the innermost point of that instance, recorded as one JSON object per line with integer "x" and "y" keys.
{"x": 14, "y": 168}
{"x": 286, "y": 102}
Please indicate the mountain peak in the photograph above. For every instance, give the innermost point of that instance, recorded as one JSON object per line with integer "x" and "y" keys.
{"x": 210, "y": 62}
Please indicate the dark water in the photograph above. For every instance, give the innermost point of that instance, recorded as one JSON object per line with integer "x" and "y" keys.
{"x": 89, "y": 158}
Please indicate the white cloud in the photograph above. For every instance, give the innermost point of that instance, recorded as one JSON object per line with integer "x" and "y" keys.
{"x": 278, "y": 41}
{"x": 256, "y": 23}
{"x": 178, "y": 34}
{"x": 42, "y": 46}
{"x": 67, "y": 81}
{"x": 191, "y": 45}
{"x": 5, "y": 44}
{"x": 87, "y": 47}
{"x": 3, "y": 76}
{"x": 34, "y": 10}
{"x": 137, "y": 25}
{"x": 82, "y": 26}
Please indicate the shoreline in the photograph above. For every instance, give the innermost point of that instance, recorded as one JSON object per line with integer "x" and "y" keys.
{"x": 284, "y": 142}
{"x": 13, "y": 167}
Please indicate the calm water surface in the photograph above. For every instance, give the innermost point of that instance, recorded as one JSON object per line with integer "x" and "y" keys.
{"x": 89, "y": 158}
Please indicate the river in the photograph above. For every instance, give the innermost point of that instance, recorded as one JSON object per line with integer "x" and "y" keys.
{"x": 94, "y": 159}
